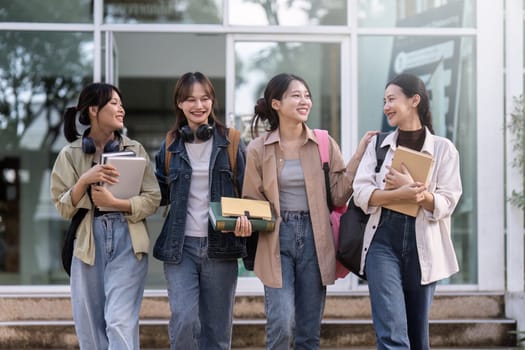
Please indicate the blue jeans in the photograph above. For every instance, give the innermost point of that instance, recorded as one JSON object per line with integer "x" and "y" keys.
{"x": 400, "y": 304}
{"x": 106, "y": 297}
{"x": 294, "y": 312}
{"x": 201, "y": 294}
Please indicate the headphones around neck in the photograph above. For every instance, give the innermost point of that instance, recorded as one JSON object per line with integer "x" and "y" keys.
{"x": 204, "y": 132}
{"x": 89, "y": 147}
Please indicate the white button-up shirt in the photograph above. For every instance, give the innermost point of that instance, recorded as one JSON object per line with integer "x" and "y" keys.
{"x": 437, "y": 258}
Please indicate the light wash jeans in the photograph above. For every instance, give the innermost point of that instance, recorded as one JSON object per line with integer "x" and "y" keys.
{"x": 400, "y": 304}
{"x": 201, "y": 294}
{"x": 294, "y": 312}
{"x": 106, "y": 297}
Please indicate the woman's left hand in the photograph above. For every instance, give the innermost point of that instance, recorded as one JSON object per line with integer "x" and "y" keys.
{"x": 395, "y": 179}
{"x": 243, "y": 227}
{"x": 363, "y": 143}
{"x": 101, "y": 196}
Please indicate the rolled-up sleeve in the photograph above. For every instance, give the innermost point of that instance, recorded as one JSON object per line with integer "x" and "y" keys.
{"x": 446, "y": 182}
{"x": 63, "y": 177}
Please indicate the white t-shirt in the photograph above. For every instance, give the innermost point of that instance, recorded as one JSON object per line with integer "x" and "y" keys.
{"x": 199, "y": 194}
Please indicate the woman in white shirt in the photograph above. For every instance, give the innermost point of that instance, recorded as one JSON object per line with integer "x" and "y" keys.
{"x": 404, "y": 256}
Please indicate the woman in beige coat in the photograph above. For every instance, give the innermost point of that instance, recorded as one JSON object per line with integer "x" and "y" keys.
{"x": 296, "y": 261}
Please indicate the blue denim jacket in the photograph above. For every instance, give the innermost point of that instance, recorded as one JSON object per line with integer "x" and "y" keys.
{"x": 175, "y": 191}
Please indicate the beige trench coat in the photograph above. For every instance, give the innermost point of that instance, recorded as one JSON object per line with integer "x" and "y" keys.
{"x": 263, "y": 165}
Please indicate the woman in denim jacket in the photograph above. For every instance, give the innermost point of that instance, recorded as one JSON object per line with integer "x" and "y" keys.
{"x": 405, "y": 256}
{"x": 200, "y": 264}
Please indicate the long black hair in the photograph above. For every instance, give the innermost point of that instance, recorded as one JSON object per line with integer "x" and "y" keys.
{"x": 412, "y": 85}
{"x": 274, "y": 90}
{"x": 95, "y": 94}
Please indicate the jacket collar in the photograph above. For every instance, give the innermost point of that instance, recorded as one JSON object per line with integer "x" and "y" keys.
{"x": 274, "y": 137}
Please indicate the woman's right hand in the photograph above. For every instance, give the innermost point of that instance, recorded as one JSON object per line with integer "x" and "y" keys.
{"x": 101, "y": 173}
{"x": 243, "y": 227}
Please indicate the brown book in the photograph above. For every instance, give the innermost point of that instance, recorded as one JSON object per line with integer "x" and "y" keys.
{"x": 249, "y": 207}
{"x": 419, "y": 165}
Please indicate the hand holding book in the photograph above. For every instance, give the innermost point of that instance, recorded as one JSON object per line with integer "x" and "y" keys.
{"x": 131, "y": 172}
{"x": 397, "y": 178}
{"x": 243, "y": 227}
{"x": 226, "y": 220}
{"x": 410, "y": 171}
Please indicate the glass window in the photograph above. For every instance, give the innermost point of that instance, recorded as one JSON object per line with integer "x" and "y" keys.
{"x": 288, "y": 12}
{"x": 447, "y": 66}
{"x": 417, "y": 13}
{"x": 59, "y": 11}
{"x": 40, "y": 74}
{"x": 318, "y": 63}
{"x": 162, "y": 11}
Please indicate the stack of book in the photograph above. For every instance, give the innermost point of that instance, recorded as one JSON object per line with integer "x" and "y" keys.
{"x": 131, "y": 170}
{"x": 223, "y": 215}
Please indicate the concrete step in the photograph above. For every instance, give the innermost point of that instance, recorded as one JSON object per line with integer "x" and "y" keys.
{"x": 338, "y": 334}
{"x": 457, "y": 320}
{"x": 344, "y": 306}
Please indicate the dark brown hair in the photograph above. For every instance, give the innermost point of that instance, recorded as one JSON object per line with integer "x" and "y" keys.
{"x": 274, "y": 90}
{"x": 95, "y": 94}
{"x": 412, "y": 85}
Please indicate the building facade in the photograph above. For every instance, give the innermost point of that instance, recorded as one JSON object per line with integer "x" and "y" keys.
{"x": 470, "y": 53}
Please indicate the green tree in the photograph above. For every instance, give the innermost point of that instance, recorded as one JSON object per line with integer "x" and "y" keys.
{"x": 40, "y": 73}
{"x": 516, "y": 127}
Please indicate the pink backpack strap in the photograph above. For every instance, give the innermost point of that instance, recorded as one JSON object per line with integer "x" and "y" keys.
{"x": 322, "y": 139}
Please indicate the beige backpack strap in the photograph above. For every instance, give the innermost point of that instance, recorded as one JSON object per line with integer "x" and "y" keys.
{"x": 234, "y": 136}
{"x": 167, "y": 160}
{"x": 167, "y": 155}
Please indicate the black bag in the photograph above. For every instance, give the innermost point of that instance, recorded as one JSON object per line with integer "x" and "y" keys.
{"x": 251, "y": 249}
{"x": 353, "y": 223}
{"x": 351, "y": 232}
{"x": 69, "y": 239}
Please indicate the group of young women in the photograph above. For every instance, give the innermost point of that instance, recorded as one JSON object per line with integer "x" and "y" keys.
{"x": 404, "y": 256}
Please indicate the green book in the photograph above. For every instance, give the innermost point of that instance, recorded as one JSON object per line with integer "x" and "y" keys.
{"x": 227, "y": 223}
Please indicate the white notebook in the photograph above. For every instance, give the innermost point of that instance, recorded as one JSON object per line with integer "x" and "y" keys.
{"x": 131, "y": 171}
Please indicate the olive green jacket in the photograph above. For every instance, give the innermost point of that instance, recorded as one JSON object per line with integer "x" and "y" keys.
{"x": 72, "y": 162}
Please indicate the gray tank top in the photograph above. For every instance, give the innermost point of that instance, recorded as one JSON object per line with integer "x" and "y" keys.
{"x": 292, "y": 189}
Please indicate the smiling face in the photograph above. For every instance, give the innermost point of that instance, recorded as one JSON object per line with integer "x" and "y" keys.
{"x": 197, "y": 106}
{"x": 110, "y": 117}
{"x": 295, "y": 103}
{"x": 401, "y": 110}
